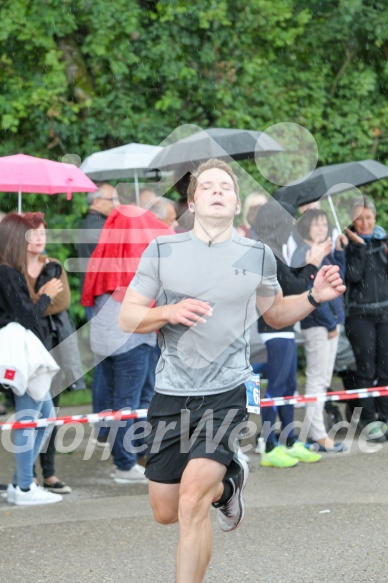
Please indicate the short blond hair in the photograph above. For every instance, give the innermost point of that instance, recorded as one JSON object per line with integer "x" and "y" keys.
{"x": 208, "y": 165}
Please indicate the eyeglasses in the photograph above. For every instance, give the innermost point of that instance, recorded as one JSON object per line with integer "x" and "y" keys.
{"x": 110, "y": 199}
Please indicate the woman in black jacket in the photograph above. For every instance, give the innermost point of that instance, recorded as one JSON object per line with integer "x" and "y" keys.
{"x": 367, "y": 310}
{"x": 38, "y": 264}
{"x": 273, "y": 226}
{"x": 16, "y": 306}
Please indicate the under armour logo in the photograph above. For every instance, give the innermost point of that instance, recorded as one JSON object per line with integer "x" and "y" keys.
{"x": 237, "y": 271}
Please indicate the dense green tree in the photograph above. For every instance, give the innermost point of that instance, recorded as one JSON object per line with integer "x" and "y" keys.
{"x": 78, "y": 76}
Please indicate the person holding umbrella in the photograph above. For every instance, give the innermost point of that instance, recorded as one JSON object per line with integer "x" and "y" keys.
{"x": 320, "y": 329}
{"x": 367, "y": 310}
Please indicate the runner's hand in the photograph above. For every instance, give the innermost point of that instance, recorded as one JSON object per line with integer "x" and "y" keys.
{"x": 189, "y": 312}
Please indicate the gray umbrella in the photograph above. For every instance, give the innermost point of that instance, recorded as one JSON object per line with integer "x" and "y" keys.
{"x": 336, "y": 178}
{"x": 221, "y": 143}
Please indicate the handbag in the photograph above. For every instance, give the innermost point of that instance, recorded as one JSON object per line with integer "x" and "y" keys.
{"x": 60, "y": 327}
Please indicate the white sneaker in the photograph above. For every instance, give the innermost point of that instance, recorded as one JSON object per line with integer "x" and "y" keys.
{"x": 243, "y": 456}
{"x": 35, "y": 495}
{"x": 133, "y": 476}
{"x": 10, "y": 495}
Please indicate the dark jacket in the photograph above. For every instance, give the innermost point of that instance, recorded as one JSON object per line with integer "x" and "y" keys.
{"x": 16, "y": 304}
{"x": 292, "y": 281}
{"x": 329, "y": 314}
{"x": 367, "y": 276}
{"x": 94, "y": 220}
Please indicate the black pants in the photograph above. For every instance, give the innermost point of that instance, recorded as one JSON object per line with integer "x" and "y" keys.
{"x": 369, "y": 339}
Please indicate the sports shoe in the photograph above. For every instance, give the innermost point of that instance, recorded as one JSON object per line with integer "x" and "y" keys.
{"x": 133, "y": 476}
{"x": 35, "y": 495}
{"x": 58, "y": 487}
{"x": 101, "y": 440}
{"x": 10, "y": 495}
{"x": 243, "y": 456}
{"x": 299, "y": 452}
{"x": 231, "y": 514}
{"x": 375, "y": 431}
{"x": 278, "y": 458}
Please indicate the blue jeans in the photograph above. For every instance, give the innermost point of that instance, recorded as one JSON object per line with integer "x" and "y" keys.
{"x": 281, "y": 373}
{"x": 28, "y": 442}
{"x": 99, "y": 393}
{"x": 127, "y": 375}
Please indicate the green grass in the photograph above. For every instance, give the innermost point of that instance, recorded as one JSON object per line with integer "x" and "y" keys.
{"x": 69, "y": 398}
{"x": 72, "y": 398}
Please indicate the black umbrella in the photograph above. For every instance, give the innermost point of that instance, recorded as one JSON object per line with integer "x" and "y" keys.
{"x": 331, "y": 180}
{"x": 222, "y": 143}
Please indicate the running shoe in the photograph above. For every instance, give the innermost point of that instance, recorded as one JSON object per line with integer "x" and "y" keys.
{"x": 299, "y": 452}
{"x": 278, "y": 458}
{"x": 231, "y": 514}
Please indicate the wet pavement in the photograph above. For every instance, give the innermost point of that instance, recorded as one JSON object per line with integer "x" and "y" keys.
{"x": 315, "y": 523}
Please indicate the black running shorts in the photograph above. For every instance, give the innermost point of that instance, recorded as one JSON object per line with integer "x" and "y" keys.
{"x": 184, "y": 428}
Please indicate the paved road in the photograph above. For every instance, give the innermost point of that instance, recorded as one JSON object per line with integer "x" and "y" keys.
{"x": 319, "y": 523}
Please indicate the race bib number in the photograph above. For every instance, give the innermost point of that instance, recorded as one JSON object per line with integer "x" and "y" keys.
{"x": 253, "y": 395}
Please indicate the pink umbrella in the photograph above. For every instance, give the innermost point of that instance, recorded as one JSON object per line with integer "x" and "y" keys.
{"x": 21, "y": 173}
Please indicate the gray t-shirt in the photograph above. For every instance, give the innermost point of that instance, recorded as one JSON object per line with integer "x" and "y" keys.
{"x": 213, "y": 357}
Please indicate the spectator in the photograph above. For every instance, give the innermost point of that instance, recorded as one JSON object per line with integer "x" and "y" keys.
{"x": 101, "y": 204}
{"x": 295, "y": 240}
{"x": 367, "y": 316}
{"x": 16, "y": 306}
{"x": 320, "y": 329}
{"x": 253, "y": 202}
{"x": 146, "y": 197}
{"x": 128, "y": 360}
{"x": 273, "y": 227}
{"x": 164, "y": 209}
{"x": 3, "y": 410}
{"x": 36, "y": 263}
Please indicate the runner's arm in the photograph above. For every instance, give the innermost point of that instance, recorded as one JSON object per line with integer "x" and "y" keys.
{"x": 136, "y": 315}
{"x": 279, "y": 311}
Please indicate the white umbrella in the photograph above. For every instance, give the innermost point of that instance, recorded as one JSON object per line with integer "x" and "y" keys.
{"x": 128, "y": 161}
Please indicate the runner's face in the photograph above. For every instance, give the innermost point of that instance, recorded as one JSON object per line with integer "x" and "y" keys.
{"x": 37, "y": 240}
{"x": 215, "y": 196}
{"x": 365, "y": 221}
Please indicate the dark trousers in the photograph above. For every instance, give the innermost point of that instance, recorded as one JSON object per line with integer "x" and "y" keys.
{"x": 369, "y": 339}
{"x": 281, "y": 373}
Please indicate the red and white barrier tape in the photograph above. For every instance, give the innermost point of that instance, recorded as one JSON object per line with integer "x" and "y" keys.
{"x": 125, "y": 414}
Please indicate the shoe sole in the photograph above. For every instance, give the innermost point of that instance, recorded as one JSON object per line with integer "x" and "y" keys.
{"x": 66, "y": 490}
{"x": 308, "y": 461}
{"x": 36, "y": 502}
{"x": 241, "y": 499}
{"x": 269, "y": 465}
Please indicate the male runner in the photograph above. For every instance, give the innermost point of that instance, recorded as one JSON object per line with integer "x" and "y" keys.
{"x": 206, "y": 283}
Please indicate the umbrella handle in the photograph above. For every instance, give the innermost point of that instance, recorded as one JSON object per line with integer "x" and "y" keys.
{"x": 334, "y": 214}
{"x": 68, "y": 193}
